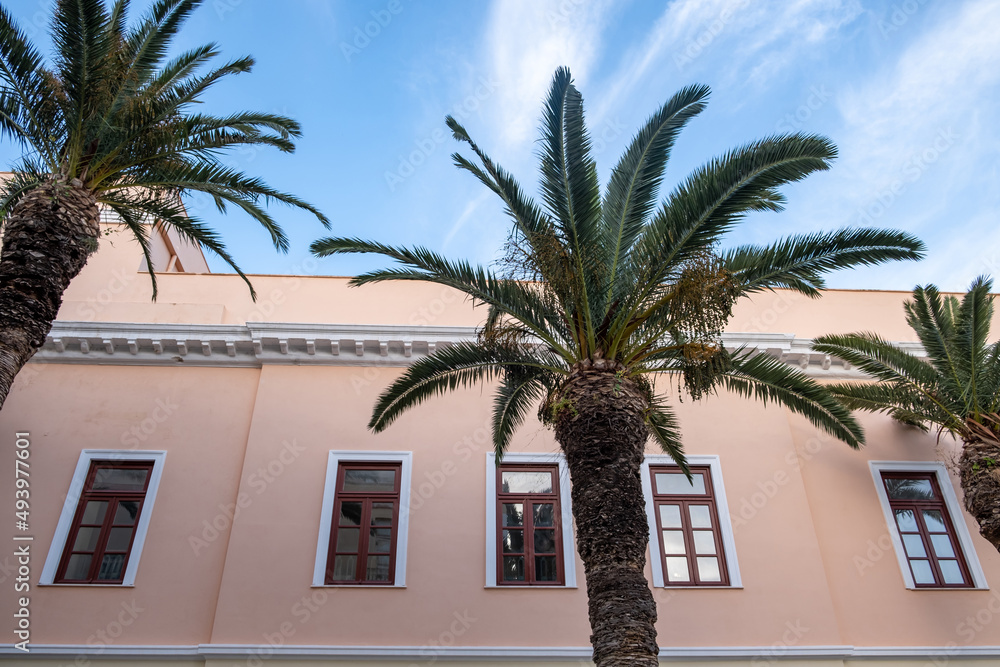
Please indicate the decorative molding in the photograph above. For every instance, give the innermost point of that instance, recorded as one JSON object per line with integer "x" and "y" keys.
{"x": 488, "y": 653}
{"x": 257, "y": 343}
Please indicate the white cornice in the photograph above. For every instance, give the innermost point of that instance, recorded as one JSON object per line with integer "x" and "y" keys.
{"x": 257, "y": 343}
{"x": 490, "y": 653}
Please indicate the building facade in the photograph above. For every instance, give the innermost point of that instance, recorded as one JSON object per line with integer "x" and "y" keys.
{"x": 202, "y": 490}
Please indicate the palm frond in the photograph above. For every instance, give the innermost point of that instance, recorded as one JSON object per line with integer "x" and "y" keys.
{"x": 512, "y": 297}
{"x": 720, "y": 194}
{"x": 799, "y": 262}
{"x": 460, "y": 365}
{"x": 767, "y": 379}
{"x": 635, "y": 181}
{"x": 519, "y": 391}
{"x": 971, "y": 333}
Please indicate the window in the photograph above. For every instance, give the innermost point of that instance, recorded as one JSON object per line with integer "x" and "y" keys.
{"x": 527, "y": 542}
{"x": 927, "y": 528}
{"x": 527, "y": 521}
{"x": 104, "y": 520}
{"x": 366, "y": 516}
{"x": 691, "y": 542}
{"x": 104, "y": 525}
{"x": 363, "y": 524}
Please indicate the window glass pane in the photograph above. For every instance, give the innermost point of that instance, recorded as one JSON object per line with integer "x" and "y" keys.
{"x": 350, "y": 514}
{"x": 513, "y": 541}
{"x": 111, "y": 567}
{"x": 512, "y": 514}
{"x": 370, "y": 481}
{"x": 922, "y": 573}
{"x": 95, "y": 511}
{"x": 704, "y": 542}
{"x": 347, "y": 540}
{"x": 526, "y": 482}
{"x": 670, "y": 516}
{"x": 381, "y": 514}
{"x": 120, "y": 479}
{"x": 119, "y": 539}
{"x": 545, "y": 541}
{"x": 544, "y": 514}
{"x": 906, "y": 521}
{"x": 675, "y": 483}
{"x": 513, "y": 568}
{"x": 909, "y": 489}
{"x": 942, "y": 546}
{"x": 701, "y": 516}
{"x": 708, "y": 569}
{"x": 378, "y": 568}
{"x": 126, "y": 512}
{"x": 86, "y": 539}
{"x": 914, "y": 546}
{"x": 345, "y": 568}
{"x": 545, "y": 568}
{"x": 379, "y": 540}
{"x": 934, "y": 521}
{"x": 673, "y": 542}
{"x": 677, "y": 569}
{"x": 78, "y": 566}
{"x": 951, "y": 571}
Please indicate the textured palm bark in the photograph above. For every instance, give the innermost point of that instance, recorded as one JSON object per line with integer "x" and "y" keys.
{"x": 600, "y": 425}
{"x": 46, "y": 242}
{"x": 979, "y": 469}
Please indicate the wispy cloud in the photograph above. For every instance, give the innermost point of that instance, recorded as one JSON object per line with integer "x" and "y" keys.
{"x": 919, "y": 149}
{"x": 753, "y": 40}
{"x": 526, "y": 42}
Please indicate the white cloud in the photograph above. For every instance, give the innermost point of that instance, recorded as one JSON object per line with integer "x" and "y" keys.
{"x": 754, "y": 41}
{"x": 938, "y": 84}
{"x": 527, "y": 41}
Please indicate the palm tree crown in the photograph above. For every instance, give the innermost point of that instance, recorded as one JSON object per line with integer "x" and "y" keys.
{"x": 625, "y": 283}
{"x": 114, "y": 114}
{"x": 955, "y": 389}
{"x": 957, "y": 382}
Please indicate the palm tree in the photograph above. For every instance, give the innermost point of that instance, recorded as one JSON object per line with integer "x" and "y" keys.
{"x": 109, "y": 124}
{"x": 955, "y": 389}
{"x": 600, "y": 294}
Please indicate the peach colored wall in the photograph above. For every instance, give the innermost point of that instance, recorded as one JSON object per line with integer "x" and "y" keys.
{"x": 796, "y": 551}
{"x": 204, "y": 416}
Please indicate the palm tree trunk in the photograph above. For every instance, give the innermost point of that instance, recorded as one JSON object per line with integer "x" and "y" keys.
{"x": 47, "y": 239}
{"x": 979, "y": 469}
{"x": 600, "y": 425}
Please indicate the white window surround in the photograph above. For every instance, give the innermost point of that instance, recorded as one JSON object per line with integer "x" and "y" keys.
{"x": 87, "y": 456}
{"x": 566, "y": 518}
{"x": 405, "y": 459}
{"x": 721, "y": 506}
{"x": 954, "y": 511}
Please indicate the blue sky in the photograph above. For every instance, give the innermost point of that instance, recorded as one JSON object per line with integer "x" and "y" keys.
{"x": 908, "y": 90}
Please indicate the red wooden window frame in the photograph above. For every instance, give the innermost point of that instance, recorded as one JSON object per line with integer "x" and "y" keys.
{"x": 685, "y": 501}
{"x": 367, "y": 499}
{"x": 528, "y": 500}
{"x": 105, "y": 523}
{"x": 917, "y": 507}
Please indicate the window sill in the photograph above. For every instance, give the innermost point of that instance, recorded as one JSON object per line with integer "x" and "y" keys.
{"x": 367, "y": 586}
{"x": 69, "y": 585}
{"x": 525, "y": 588}
{"x": 698, "y": 588}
